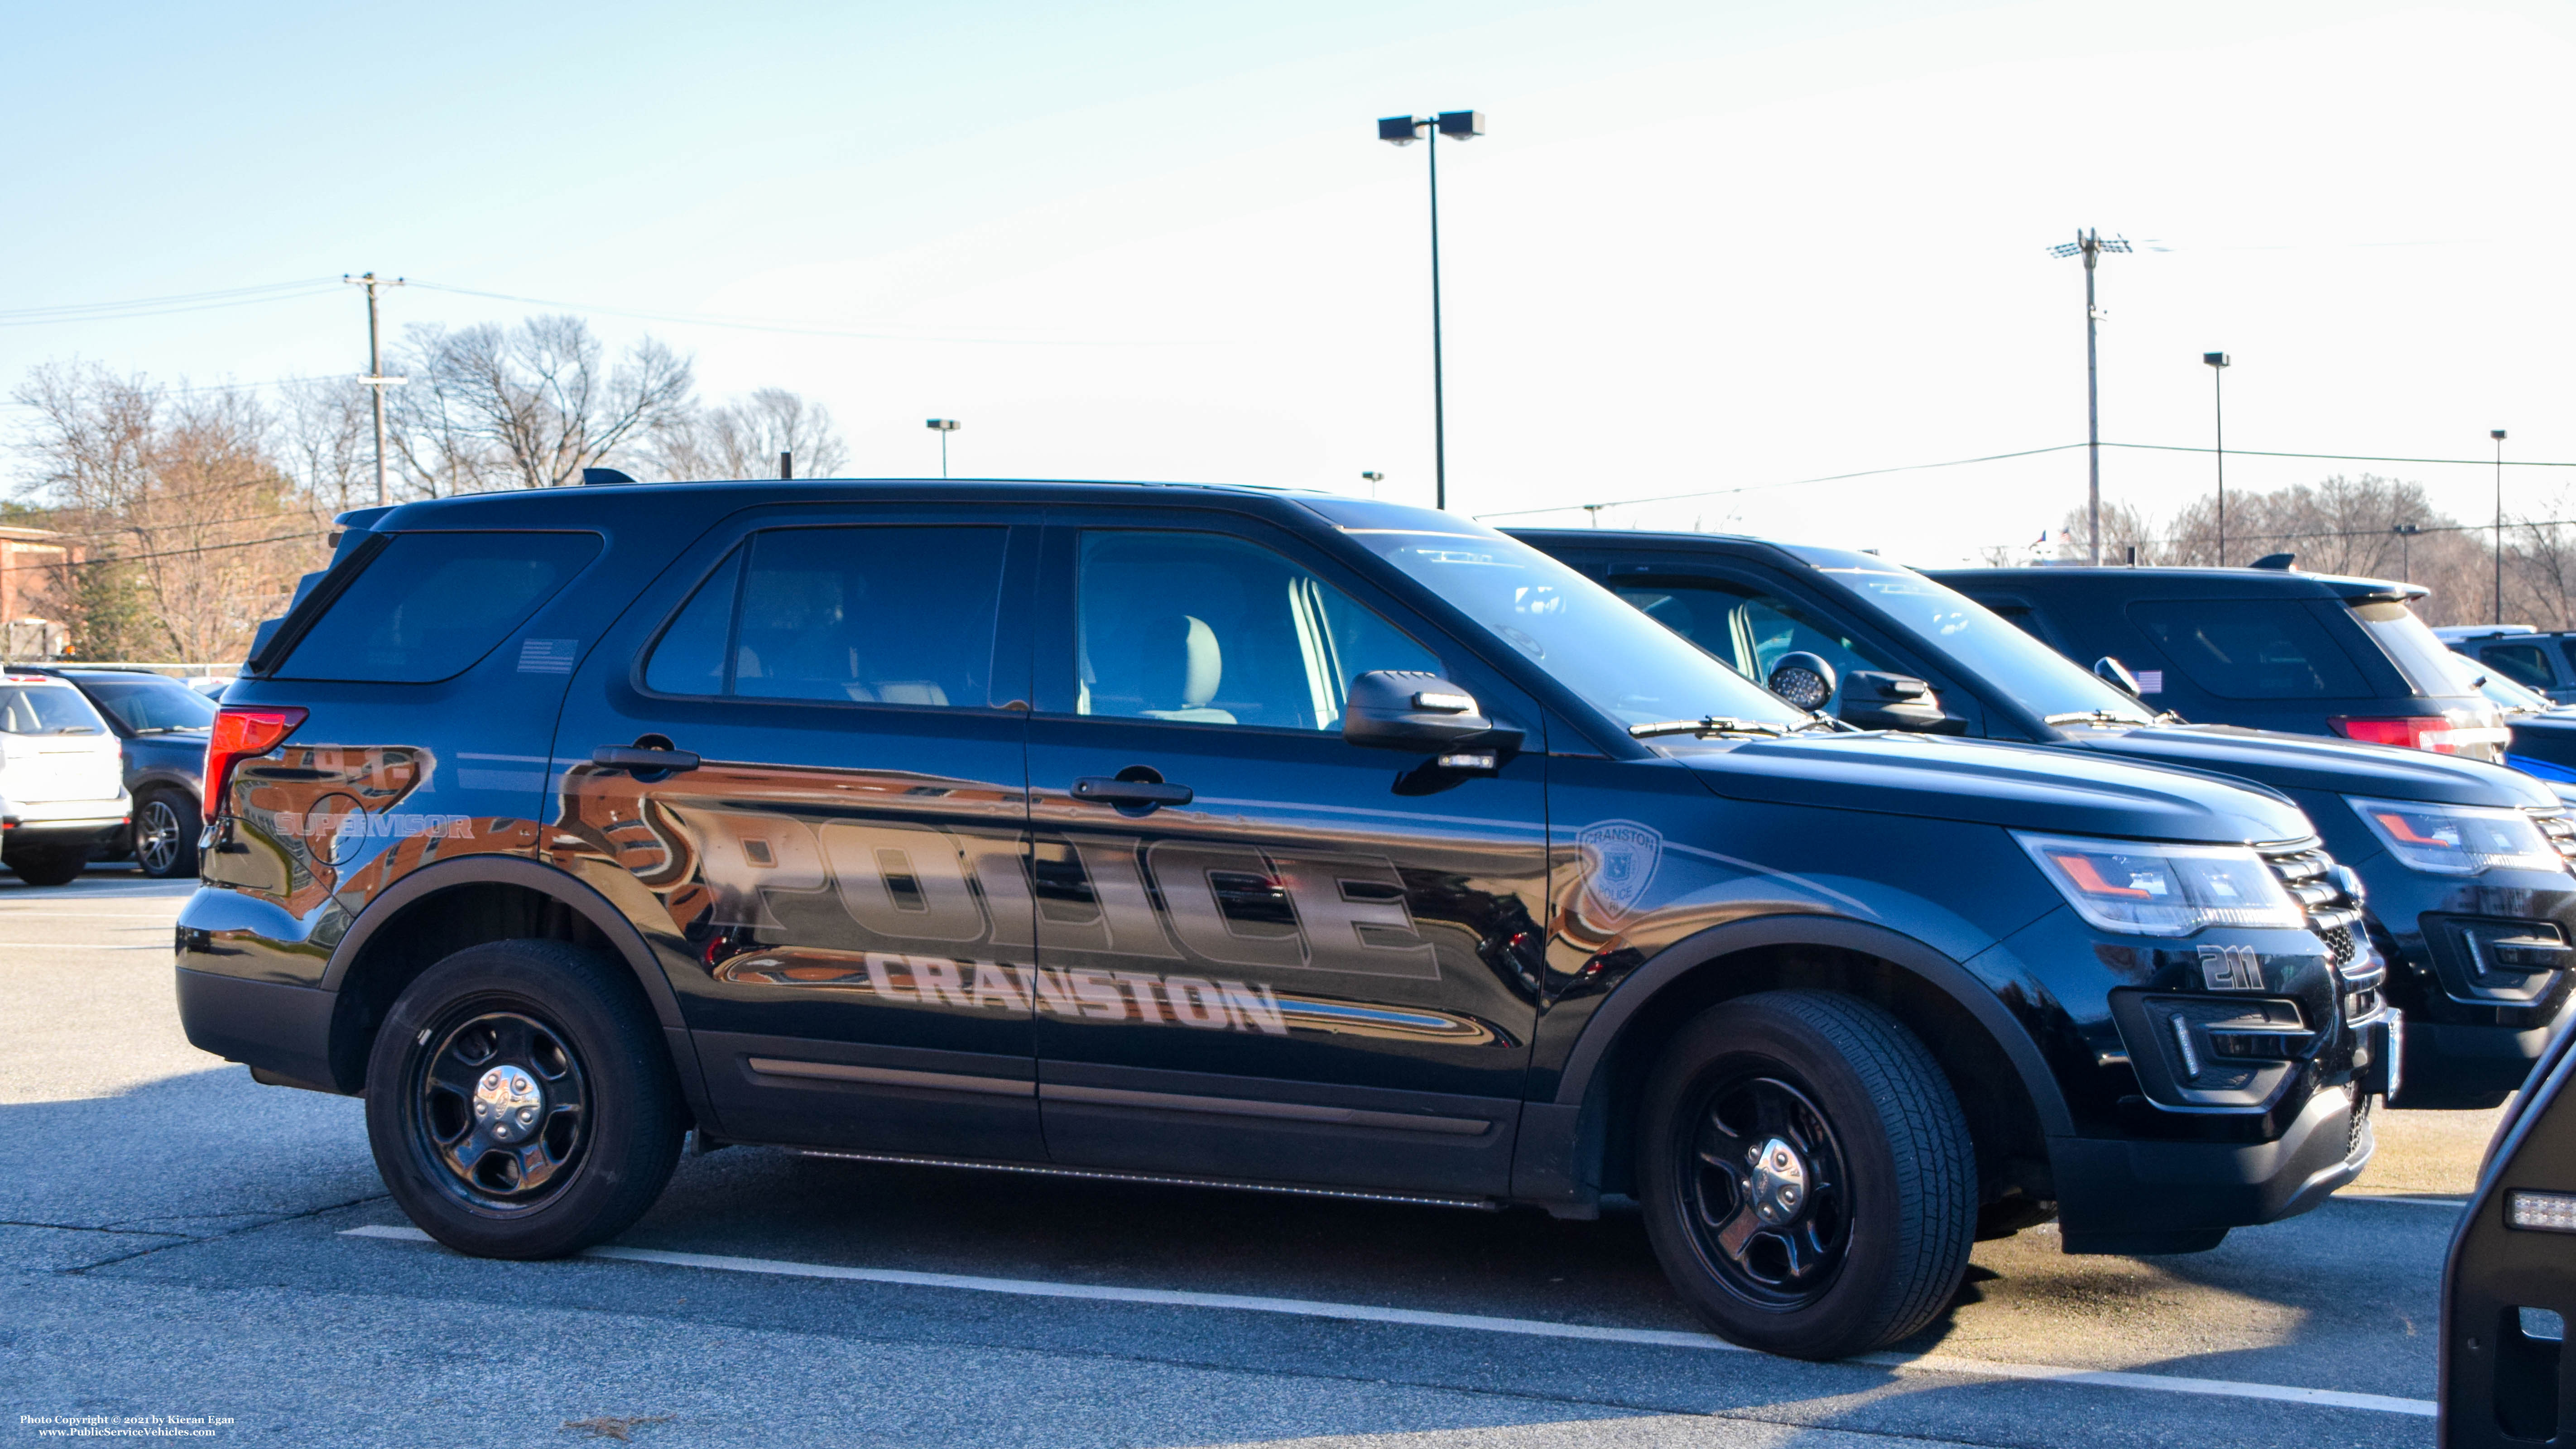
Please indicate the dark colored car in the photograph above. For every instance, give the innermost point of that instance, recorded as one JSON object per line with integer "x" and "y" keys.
{"x": 163, "y": 725}
{"x": 1241, "y": 838}
{"x": 2308, "y": 654}
{"x": 2472, "y": 1023}
{"x": 2544, "y": 734}
{"x": 2532, "y": 658}
{"x": 2509, "y": 1286}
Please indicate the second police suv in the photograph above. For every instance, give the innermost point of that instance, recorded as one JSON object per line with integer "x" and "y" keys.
{"x": 1243, "y": 838}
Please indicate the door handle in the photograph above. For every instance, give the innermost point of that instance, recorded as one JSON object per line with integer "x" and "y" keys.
{"x": 1109, "y": 790}
{"x": 628, "y": 757}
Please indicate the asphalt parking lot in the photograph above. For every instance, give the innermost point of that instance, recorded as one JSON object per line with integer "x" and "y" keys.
{"x": 179, "y": 1241}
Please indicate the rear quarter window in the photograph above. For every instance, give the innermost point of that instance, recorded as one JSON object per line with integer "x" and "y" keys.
{"x": 2251, "y": 648}
{"x": 429, "y": 605}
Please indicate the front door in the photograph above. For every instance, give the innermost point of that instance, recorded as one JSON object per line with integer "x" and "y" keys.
{"x": 1321, "y": 966}
{"x": 835, "y": 868}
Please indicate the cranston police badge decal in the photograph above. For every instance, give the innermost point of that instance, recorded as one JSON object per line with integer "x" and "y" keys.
{"x": 1621, "y": 855}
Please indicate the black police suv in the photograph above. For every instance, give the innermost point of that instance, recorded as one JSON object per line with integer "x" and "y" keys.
{"x": 2545, "y": 662}
{"x": 2468, "y": 894}
{"x": 163, "y": 725}
{"x": 1232, "y": 837}
{"x": 2309, "y": 654}
{"x": 2509, "y": 1285}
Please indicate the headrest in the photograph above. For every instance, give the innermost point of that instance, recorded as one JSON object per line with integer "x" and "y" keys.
{"x": 1182, "y": 665}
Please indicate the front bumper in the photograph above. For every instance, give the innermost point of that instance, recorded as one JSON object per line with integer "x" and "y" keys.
{"x": 2135, "y": 1196}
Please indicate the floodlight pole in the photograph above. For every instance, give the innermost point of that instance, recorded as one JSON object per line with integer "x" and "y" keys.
{"x": 1403, "y": 131}
{"x": 2498, "y": 435}
{"x": 2218, "y": 383}
{"x": 943, "y": 427}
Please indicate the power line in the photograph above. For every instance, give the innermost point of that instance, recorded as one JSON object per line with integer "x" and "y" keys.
{"x": 749, "y": 324}
{"x": 164, "y": 306}
{"x": 1785, "y": 483}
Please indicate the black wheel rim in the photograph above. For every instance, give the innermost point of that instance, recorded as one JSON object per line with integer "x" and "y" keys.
{"x": 500, "y": 1109}
{"x": 1765, "y": 1195}
{"x": 156, "y": 838}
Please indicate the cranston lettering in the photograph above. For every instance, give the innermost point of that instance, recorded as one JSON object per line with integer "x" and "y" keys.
{"x": 1073, "y": 993}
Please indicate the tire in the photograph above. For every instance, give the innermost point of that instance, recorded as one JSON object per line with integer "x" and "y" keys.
{"x": 588, "y": 1118}
{"x": 49, "y": 867}
{"x": 165, "y": 834}
{"x": 1860, "y": 1234}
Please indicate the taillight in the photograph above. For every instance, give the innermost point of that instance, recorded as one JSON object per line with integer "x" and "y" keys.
{"x": 2408, "y": 732}
{"x": 242, "y": 732}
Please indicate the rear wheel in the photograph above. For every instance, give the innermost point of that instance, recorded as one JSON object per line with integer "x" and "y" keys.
{"x": 50, "y": 865}
{"x": 165, "y": 835}
{"x": 1808, "y": 1180}
{"x": 520, "y": 1101}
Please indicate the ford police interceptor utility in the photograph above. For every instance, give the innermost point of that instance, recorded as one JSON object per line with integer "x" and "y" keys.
{"x": 1237, "y": 838}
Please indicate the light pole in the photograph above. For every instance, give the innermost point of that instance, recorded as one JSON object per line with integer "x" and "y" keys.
{"x": 1374, "y": 478}
{"x": 2218, "y": 397}
{"x": 2406, "y": 549}
{"x": 2090, "y": 246}
{"x": 943, "y": 427}
{"x": 1402, "y": 131}
{"x": 2498, "y": 435}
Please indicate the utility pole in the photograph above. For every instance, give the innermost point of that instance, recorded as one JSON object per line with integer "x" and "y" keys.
{"x": 2090, "y": 246}
{"x": 375, "y": 381}
{"x": 2498, "y": 435}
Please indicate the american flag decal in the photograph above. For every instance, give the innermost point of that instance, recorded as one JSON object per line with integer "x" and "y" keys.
{"x": 548, "y": 656}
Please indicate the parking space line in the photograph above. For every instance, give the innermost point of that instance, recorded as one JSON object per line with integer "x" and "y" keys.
{"x": 2454, "y": 1203}
{"x": 1472, "y": 1322}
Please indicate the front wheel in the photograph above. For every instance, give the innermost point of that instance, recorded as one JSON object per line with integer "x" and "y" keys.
{"x": 520, "y": 1101}
{"x": 1807, "y": 1175}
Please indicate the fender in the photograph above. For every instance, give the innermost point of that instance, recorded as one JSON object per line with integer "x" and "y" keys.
{"x": 518, "y": 871}
{"x": 1547, "y": 1167}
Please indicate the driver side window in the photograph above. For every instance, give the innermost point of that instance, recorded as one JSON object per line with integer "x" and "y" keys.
{"x": 1199, "y": 628}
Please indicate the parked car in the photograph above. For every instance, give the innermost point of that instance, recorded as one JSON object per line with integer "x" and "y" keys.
{"x": 1291, "y": 842}
{"x": 2544, "y": 662}
{"x": 60, "y": 796}
{"x": 210, "y": 687}
{"x": 2544, "y": 734}
{"x": 1909, "y": 653}
{"x": 163, "y": 725}
{"x": 2309, "y": 654}
{"x": 2509, "y": 1283}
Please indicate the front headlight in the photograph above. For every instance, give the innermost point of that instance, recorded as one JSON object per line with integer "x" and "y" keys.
{"x": 2457, "y": 839}
{"x": 2147, "y": 889}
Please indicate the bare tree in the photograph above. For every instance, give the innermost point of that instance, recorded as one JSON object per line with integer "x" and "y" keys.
{"x": 743, "y": 438}
{"x": 326, "y": 441}
{"x": 2123, "y": 529}
{"x": 527, "y": 406}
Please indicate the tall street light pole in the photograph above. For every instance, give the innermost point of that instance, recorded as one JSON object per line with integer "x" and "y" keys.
{"x": 2498, "y": 435}
{"x": 943, "y": 427}
{"x": 375, "y": 381}
{"x": 2218, "y": 384}
{"x": 2090, "y": 246}
{"x": 2406, "y": 549}
{"x": 1403, "y": 131}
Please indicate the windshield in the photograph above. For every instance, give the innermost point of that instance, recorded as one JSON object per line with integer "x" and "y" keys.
{"x": 149, "y": 704}
{"x": 1983, "y": 644}
{"x": 1622, "y": 663}
{"x": 47, "y": 709}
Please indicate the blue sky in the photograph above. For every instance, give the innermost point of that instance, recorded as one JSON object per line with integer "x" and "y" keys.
{"x": 1705, "y": 246}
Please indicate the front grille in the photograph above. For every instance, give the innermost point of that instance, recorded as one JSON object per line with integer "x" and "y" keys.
{"x": 2553, "y": 822}
{"x": 2313, "y": 880}
{"x": 2357, "y": 1128}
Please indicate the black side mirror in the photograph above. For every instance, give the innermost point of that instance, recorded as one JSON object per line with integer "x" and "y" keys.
{"x": 1875, "y": 700}
{"x": 1424, "y": 714}
{"x": 2116, "y": 674}
{"x": 1803, "y": 679}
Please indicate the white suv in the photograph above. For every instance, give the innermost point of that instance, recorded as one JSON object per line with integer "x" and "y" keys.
{"x": 62, "y": 786}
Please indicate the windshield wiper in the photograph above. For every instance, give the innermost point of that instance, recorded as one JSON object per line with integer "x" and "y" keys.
{"x": 1709, "y": 724}
{"x": 2088, "y": 716}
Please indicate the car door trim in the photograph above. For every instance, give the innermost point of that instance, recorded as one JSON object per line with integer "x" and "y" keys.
{"x": 1257, "y": 1107}
{"x": 890, "y": 1077}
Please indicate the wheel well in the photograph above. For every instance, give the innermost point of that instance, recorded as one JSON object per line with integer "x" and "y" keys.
{"x": 2012, "y": 1150}
{"x": 422, "y": 933}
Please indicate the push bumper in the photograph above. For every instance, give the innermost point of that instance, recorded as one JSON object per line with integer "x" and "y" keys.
{"x": 282, "y": 1033}
{"x": 2125, "y": 1196}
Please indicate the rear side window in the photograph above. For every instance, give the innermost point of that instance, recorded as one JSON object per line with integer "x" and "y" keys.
{"x": 2522, "y": 663}
{"x": 2251, "y": 648}
{"x": 2419, "y": 654}
{"x": 47, "y": 709}
{"x": 431, "y": 604}
{"x": 871, "y": 614}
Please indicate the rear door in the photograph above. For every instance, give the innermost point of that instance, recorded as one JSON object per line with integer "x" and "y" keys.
{"x": 820, "y": 809}
{"x": 1322, "y": 965}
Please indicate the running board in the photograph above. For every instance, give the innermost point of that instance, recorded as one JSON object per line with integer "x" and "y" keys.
{"x": 1104, "y": 1174}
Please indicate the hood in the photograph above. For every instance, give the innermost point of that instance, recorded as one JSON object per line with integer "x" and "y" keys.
{"x": 2025, "y": 787}
{"x": 2314, "y": 762}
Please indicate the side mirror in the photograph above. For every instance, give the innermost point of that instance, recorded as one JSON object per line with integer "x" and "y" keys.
{"x": 1424, "y": 714}
{"x": 2116, "y": 674}
{"x": 1875, "y": 700}
{"x": 1803, "y": 679}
